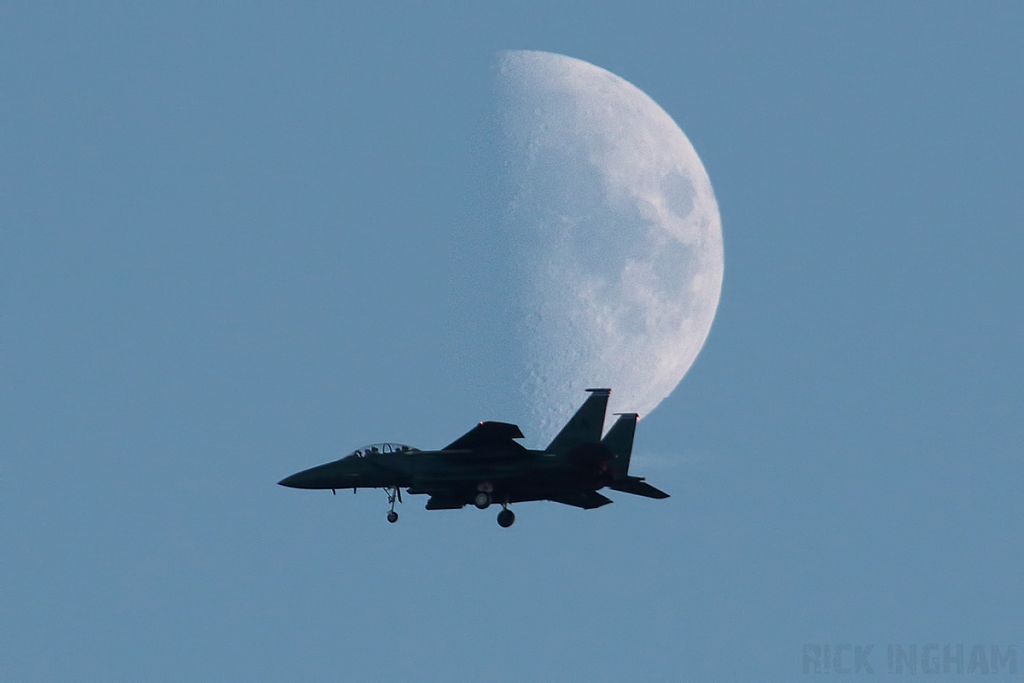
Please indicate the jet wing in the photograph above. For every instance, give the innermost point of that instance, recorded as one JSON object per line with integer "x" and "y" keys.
{"x": 486, "y": 436}
{"x": 588, "y": 500}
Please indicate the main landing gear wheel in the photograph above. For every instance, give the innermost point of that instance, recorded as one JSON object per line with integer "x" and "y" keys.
{"x": 506, "y": 518}
{"x": 392, "y": 516}
{"x": 482, "y": 500}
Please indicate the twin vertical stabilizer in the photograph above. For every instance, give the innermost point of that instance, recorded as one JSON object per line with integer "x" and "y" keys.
{"x": 619, "y": 441}
{"x": 585, "y": 428}
{"x": 586, "y": 425}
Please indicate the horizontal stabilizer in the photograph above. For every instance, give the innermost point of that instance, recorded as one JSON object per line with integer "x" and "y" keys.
{"x": 638, "y": 487}
{"x": 485, "y": 436}
{"x": 588, "y": 500}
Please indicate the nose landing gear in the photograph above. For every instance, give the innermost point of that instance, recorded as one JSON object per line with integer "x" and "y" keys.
{"x": 394, "y": 493}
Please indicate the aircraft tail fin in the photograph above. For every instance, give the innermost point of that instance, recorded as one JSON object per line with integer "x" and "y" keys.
{"x": 619, "y": 441}
{"x": 585, "y": 426}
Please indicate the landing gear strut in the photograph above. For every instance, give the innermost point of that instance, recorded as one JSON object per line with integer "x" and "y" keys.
{"x": 506, "y": 517}
{"x": 394, "y": 493}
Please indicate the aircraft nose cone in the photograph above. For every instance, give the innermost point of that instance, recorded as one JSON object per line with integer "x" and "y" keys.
{"x": 314, "y": 477}
{"x": 307, "y": 479}
{"x": 328, "y": 476}
{"x": 294, "y": 481}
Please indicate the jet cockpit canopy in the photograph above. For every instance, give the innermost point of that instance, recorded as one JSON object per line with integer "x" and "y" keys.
{"x": 383, "y": 447}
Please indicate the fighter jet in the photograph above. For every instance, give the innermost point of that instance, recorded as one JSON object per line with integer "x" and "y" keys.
{"x": 485, "y": 466}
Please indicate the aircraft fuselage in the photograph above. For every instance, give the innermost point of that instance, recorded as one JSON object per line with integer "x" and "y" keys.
{"x": 453, "y": 478}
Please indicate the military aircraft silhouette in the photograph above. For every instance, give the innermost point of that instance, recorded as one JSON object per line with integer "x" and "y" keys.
{"x": 486, "y": 465}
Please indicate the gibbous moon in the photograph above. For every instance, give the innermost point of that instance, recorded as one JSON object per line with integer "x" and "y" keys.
{"x": 615, "y": 238}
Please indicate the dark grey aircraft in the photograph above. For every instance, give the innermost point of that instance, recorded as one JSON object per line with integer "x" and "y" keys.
{"x": 486, "y": 466}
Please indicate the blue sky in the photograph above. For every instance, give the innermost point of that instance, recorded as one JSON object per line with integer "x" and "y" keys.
{"x": 239, "y": 241}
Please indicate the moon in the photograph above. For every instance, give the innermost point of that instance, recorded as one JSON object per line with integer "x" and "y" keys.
{"x": 614, "y": 236}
